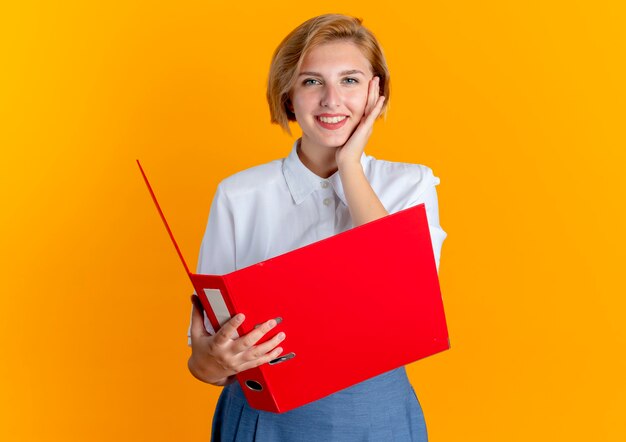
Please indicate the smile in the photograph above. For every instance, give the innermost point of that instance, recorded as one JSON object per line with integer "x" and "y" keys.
{"x": 331, "y": 123}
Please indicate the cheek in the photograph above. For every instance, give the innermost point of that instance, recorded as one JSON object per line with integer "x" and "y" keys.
{"x": 302, "y": 101}
{"x": 357, "y": 102}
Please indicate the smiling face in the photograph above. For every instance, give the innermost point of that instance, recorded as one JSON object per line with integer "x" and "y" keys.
{"x": 330, "y": 93}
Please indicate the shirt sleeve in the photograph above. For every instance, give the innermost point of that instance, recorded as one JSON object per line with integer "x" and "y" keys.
{"x": 217, "y": 250}
{"x": 427, "y": 194}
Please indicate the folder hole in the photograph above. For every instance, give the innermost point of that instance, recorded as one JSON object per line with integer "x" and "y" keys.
{"x": 282, "y": 359}
{"x": 254, "y": 385}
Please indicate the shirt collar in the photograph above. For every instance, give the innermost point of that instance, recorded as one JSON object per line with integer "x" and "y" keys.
{"x": 302, "y": 181}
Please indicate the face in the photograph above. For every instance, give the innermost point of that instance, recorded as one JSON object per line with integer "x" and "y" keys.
{"x": 330, "y": 94}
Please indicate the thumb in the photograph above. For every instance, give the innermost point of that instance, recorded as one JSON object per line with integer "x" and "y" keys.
{"x": 197, "y": 318}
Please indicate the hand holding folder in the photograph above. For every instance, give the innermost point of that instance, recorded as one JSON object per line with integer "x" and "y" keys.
{"x": 380, "y": 290}
{"x": 230, "y": 355}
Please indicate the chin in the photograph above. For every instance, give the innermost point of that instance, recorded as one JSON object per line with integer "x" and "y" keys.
{"x": 328, "y": 140}
{"x": 333, "y": 145}
{"x": 334, "y": 141}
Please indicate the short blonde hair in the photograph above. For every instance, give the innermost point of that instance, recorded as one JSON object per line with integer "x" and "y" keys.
{"x": 290, "y": 53}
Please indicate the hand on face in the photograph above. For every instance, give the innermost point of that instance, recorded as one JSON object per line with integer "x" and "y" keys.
{"x": 350, "y": 152}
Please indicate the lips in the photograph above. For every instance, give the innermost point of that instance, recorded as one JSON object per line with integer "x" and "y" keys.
{"x": 331, "y": 122}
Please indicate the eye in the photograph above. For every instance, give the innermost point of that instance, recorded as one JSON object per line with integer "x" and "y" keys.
{"x": 351, "y": 80}
{"x": 310, "y": 81}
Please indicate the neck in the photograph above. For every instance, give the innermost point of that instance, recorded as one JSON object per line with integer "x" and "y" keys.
{"x": 319, "y": 160}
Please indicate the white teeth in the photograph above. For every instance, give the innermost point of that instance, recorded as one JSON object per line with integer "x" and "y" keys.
{"x": 332, "y": 119}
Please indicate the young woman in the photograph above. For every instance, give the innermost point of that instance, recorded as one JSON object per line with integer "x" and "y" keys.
{"x": 330, "y": 76}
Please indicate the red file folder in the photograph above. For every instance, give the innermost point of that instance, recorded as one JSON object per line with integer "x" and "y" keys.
{"x": 354, "y": 305}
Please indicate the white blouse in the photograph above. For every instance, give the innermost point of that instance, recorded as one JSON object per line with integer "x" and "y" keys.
{"x": 273, "y": 208}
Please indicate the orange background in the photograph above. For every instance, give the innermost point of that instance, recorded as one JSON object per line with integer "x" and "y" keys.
{"x": 517, "y": 106}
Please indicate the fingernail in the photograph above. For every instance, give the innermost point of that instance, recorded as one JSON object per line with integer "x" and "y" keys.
{"x": 278, "y": 320}
{"x": 239, "y": 317}
{"x": 281, "y": 336}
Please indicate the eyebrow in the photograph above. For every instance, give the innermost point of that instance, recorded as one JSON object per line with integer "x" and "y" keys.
{"x": 348, "y": 72}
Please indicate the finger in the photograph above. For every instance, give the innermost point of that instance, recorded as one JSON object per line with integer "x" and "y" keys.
{"x": 370, "y": 107}
{"x": 375, "y": 92}
{"x": 372, "y": 95}
{"x": 226, "y": 331}
{"x": 197, "y": 318}
{"x": 262, "y": 360}
{"x": 375, "y": 112}
{"x": 245, "y": 342}
{"x": 367, "y": 122}
{"x": 195, "y": 300}
{"x": 368, "y": 102}
{"x": 258, "y": 351}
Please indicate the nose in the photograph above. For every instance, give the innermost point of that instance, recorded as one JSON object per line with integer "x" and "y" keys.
{"x": 331, "y": 97}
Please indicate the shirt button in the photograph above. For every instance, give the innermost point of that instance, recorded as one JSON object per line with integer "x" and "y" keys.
{"x": 324, "y": 184}
{"x": 326, "y": 201}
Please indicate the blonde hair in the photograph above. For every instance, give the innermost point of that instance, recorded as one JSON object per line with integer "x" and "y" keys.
{"x": 290, "y": 53}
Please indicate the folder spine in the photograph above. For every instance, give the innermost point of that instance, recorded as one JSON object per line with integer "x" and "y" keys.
{"x": 254, "y": 377}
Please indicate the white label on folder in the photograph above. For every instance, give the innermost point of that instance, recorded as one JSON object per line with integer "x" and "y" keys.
{"x": 215, "y": 298}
